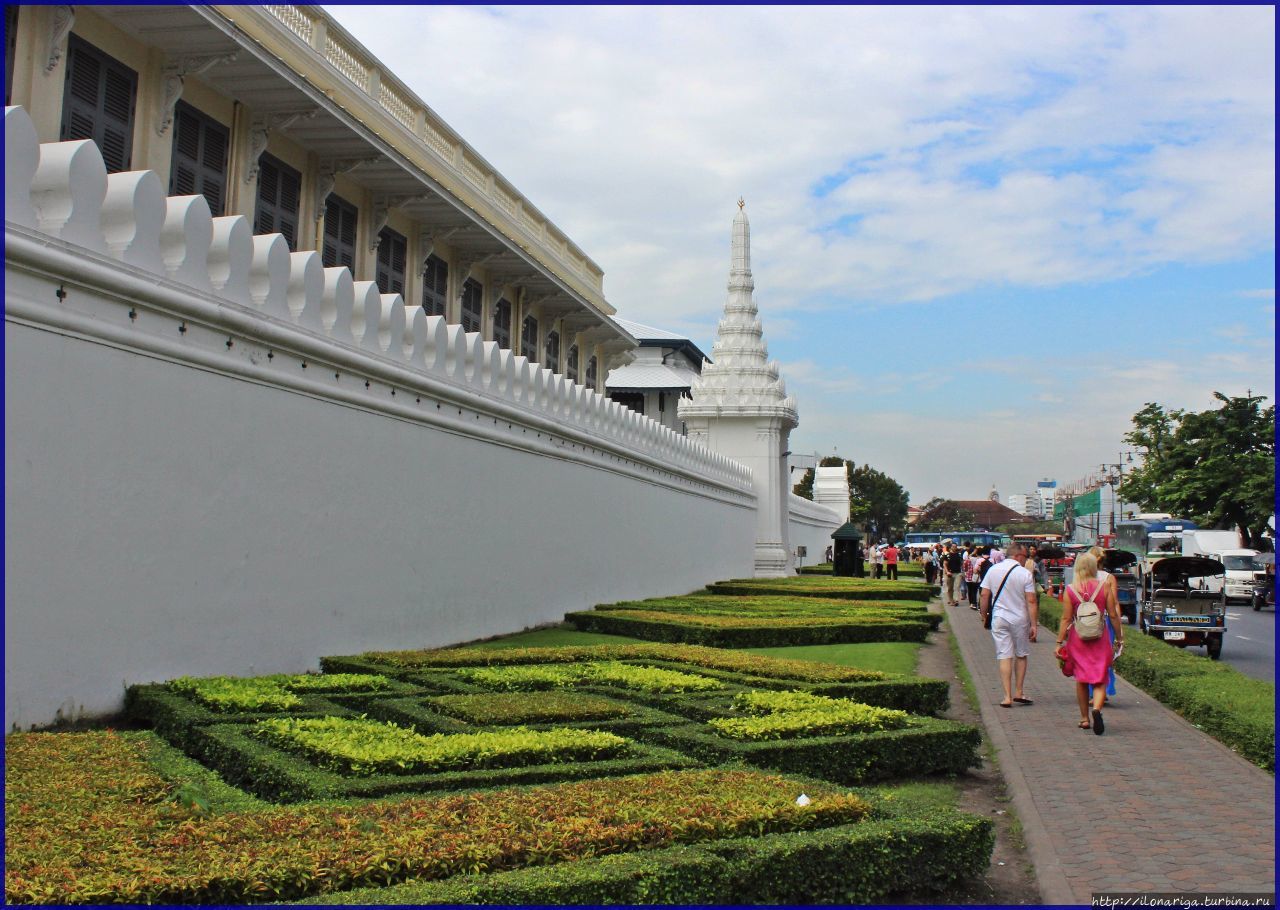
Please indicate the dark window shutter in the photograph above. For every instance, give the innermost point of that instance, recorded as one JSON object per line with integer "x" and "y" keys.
{"x": 199, "y": 157}
{"x": 279, "y": 189}
{"x": 502, "y": 323}
{"x": 529, "y": 339}
{"x": 392, "y": 255}
{"x": 472, "y": 291}
{"x": 339, "y": 233}
{"x": 98, "y": 102}
{"x": 435, "y": 286}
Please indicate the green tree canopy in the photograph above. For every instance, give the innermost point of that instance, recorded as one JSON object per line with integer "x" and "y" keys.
{"x": 804, "y": 488}
{"x": 1216, "y": 467}
{"x": 878, "y": 503}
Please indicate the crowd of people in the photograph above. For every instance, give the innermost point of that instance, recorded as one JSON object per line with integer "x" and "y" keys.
{"x": 1004, "y": 587}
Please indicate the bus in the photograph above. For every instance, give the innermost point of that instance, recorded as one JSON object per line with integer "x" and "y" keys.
{"x": 923, "y": 540}
{"x": 1151, "y": 540}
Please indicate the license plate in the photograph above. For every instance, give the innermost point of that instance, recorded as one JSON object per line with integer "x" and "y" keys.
{"x": 1175, "y": 636}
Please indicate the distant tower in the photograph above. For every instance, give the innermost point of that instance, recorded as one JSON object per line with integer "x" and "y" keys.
{"x": 993, "y": 495}
{"x": 739, "y": 407}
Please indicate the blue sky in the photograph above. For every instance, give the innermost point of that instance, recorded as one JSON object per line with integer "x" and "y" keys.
{"x": 983, "y": 237}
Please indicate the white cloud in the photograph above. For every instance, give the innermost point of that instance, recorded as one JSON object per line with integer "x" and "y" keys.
{"x": 1114, "y": 139}
{"x": 889, "y": 156}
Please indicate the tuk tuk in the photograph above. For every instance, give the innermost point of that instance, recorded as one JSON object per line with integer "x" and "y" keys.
{"x": 1264, "y": 583}
{"x": 1121, "y": 563}
{"x": 1181, "y": 615}
{"x": 1055, "y": 560}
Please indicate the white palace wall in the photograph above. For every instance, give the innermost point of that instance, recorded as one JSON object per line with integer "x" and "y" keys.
{"x": 221, "y": 457}
{"x": 811, "y": 525}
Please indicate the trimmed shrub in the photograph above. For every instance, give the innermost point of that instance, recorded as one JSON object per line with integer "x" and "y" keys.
{"x": 613, "y": 673}
{"x": 361, "y": 746}
{"x": 518, "y": 708}
{"x": 774, "y": 605}
{"x": 234, "y": 695}
{"x": 926, "y": 745}
{"x": 172, "y": 714}
{"x": 783, "y": 715}
{"x": 136, "y": 845}
{"x": 913, "y": 694}
{"x": 711, "y": 658}
{"x": 848, "y": 864}
{"x": 726, "y": 632}
{"x": 284, "y": 775}
{"x": 824, "y": 586}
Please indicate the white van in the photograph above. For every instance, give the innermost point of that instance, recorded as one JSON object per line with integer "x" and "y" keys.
{"x": 1240, "y": 565}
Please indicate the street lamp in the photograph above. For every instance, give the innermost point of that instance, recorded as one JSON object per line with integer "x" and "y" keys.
{"x": 1113, "y": 476}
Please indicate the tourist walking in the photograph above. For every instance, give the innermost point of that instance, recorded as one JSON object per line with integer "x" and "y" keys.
{"x": 930, "y": 570}
{"x": 891, "y": 562}
{"x": 877, "y": 561}
{"x": 971, "y": 580}
{"x": 1082, "y": 639}
{"x": 1011, "y": 609}
{"x": 1110, "y": 581}
{"x": 953, "y": 574}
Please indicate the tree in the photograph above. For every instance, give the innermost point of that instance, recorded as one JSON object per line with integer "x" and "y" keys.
{"x": 1048, "y": 526}
{"x": 805, "y": 487}
{"x": 877, "y": 502}
{"x": 1216, "y": 467}
{"x": 944, "y": 515}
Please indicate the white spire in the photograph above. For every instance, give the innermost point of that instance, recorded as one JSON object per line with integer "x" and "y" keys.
{"x": 741, "y": 381}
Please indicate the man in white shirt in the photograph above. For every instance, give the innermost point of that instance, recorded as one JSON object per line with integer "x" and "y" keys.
{"x": 1014, "y": 622}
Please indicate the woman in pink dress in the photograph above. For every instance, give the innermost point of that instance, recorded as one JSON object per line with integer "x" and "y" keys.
{"x": 1092, "y": 659}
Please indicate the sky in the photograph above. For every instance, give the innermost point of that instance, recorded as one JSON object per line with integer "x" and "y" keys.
{"x": 982, "y": 237}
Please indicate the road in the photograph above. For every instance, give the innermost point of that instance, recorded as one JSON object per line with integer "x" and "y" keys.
{"x": 1250, "y": 644}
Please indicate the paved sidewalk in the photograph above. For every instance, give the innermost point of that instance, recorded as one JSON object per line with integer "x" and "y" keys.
{"x": 1152, "y": 805}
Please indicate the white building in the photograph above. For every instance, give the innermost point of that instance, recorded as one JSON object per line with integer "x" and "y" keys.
{"x": 290, "y": 370}
{"x": 1020, "y": 502}
{"x": 661, "y": 372}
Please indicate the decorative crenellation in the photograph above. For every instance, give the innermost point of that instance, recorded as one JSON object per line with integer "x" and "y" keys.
{"x": 173, "y": 256}
{"x": 740, "y": 381}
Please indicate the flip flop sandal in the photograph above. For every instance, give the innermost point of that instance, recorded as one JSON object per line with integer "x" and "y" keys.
{"x": 1024, "y": 701}
{"x": 1083, "y": 725}
{"x": 1006, "y": 704}
{"x": 1099, "y": 726}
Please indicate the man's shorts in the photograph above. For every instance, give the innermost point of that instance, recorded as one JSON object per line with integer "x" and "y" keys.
{"x": 1012, "y": 638}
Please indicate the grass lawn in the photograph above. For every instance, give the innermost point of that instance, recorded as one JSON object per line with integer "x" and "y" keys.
{"x": 887, "y": 657}
{"x": 555, "y": 637}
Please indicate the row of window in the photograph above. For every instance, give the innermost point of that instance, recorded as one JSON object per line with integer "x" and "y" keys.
{"x": 99, "y": 103}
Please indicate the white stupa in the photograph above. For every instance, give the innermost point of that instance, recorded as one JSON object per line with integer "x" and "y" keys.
{"x": 740, "y": 407}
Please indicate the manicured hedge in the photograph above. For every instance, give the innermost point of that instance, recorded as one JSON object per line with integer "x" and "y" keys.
{"x": 1235, "y": 709}
{"x": 519, "y": 708}
{"x": 914, "y": 694}
{"x": 849, "y": 864}
{"x": 749, "y": 632}
{"x": 365, "y": 746}
{"x": 824, "y": 586}
{"x": 772, "y": 605}
{"x": 279, "y": 774}
{"x": 928, "y": 745}
{"x": 172, "y": 714}
{"x": 710, "y": 658}
{"x": 134, "y": 843}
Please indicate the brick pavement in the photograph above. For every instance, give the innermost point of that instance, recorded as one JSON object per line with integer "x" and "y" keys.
{"x": 1169, "y": 808}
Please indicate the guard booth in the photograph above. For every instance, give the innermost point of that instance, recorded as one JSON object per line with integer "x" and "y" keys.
{"x": 847, "y": 558}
